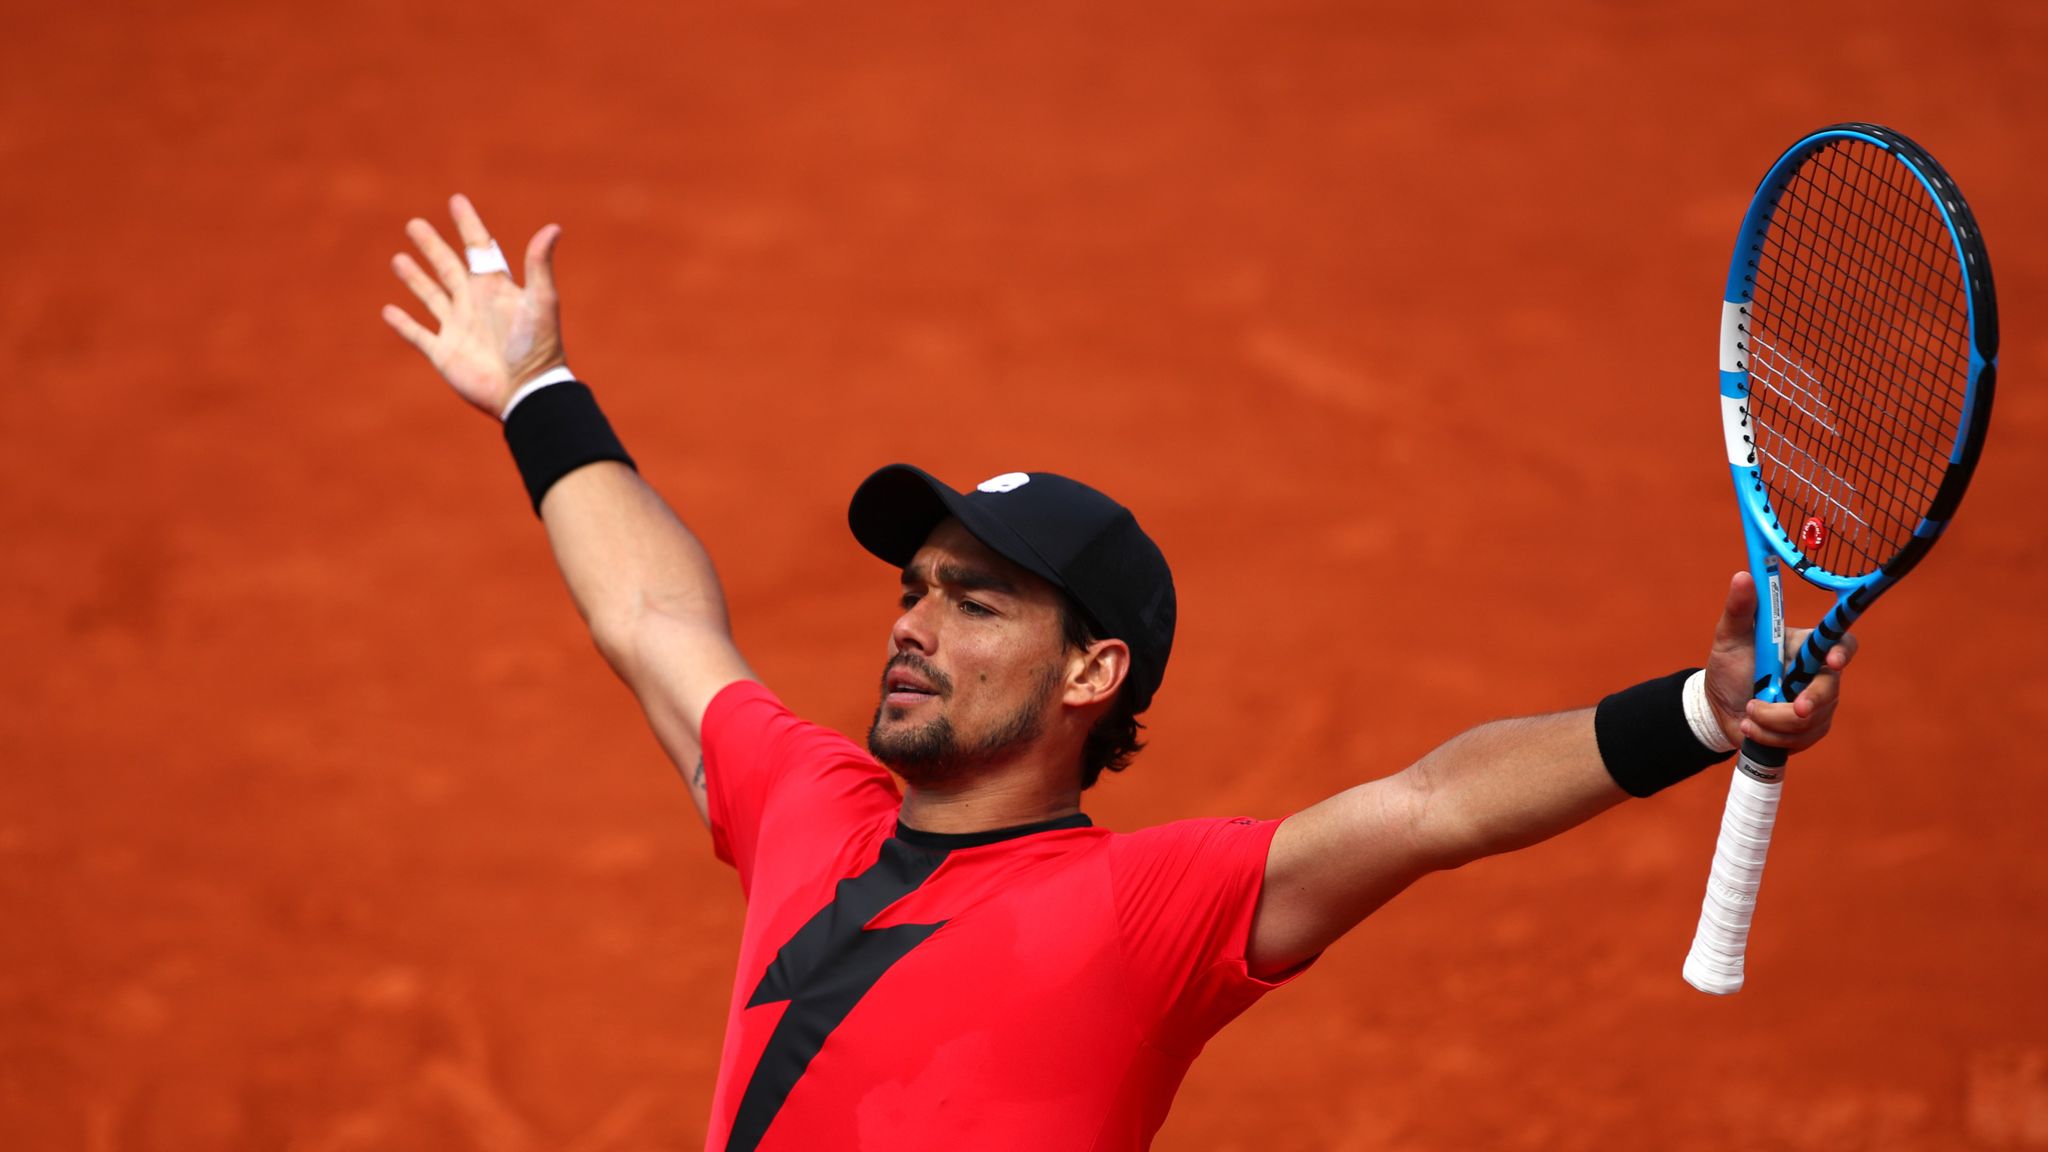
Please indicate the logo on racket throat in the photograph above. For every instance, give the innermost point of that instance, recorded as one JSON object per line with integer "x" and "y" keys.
{"x": 1813, "y": 535}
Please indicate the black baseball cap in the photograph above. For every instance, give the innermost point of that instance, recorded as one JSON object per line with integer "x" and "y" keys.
{"x": 1084, "y": 543}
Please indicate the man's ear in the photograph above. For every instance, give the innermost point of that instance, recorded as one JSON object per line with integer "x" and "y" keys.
{"x": 1095, "y": 673}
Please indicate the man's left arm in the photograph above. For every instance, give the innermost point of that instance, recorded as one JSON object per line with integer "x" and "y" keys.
{"x": 1498, "y": 787}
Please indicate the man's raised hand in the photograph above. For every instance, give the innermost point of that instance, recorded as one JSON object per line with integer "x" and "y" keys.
{"x": 493, "y": 334}
{"x": 1796, "y": 725}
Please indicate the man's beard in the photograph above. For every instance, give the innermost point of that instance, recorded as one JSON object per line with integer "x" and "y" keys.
{"x": 931, "y": 755}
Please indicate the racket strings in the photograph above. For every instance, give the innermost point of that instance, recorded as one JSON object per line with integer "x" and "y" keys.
{"x": 1873, "y": 344}
{"x": 1859, "y": 356}
{"x": 1899, "y": 343}
{"x": 1925, "y": 291}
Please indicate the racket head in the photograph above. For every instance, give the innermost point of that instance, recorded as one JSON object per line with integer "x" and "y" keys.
{"x": 1859, "y": 354}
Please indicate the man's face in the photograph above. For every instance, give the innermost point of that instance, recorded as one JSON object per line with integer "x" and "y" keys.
{"x": 976, "y": 662}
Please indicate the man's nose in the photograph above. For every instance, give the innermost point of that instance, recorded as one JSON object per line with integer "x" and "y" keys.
{"x": 912, "y": 630}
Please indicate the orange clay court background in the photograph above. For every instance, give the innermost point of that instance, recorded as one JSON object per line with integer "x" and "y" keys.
{"x": 323, "y": 828}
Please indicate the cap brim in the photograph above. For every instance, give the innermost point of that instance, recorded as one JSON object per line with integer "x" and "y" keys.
{"x": 894, "y": 511}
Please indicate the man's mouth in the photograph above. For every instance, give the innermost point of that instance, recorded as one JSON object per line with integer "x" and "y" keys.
{"x": 905, "y": 694}
{"x": 903, "y": 686}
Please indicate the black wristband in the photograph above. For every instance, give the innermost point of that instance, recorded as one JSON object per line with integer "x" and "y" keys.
{"x": 557, "y": 430}
{"x": 1645, "y": 740}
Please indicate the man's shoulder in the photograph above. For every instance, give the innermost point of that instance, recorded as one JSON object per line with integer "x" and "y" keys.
{"x": 1196, "y": 828}
{"x": 749, "y": 713}
{"x": 1200, "y": 844}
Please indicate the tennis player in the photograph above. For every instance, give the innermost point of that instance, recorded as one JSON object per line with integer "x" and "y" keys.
{"x": 966, "y": 961}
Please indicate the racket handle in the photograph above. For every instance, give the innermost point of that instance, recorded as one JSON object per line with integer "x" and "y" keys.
{"x": 1714, "y": 965}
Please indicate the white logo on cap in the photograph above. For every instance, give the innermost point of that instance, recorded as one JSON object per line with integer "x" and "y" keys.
{"x": 1007, "y": 482}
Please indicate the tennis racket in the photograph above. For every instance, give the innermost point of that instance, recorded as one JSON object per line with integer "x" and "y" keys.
{"x": 1859, "y": 345}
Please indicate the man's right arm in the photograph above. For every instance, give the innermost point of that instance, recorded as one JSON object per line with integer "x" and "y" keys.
{"x": 645, "y": 586}
{"x": 640, "y": 579}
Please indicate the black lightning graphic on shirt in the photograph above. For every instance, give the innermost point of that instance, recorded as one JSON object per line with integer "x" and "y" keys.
{"x": 823, "y": 971}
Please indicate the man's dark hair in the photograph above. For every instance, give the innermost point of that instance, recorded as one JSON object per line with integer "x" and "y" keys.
{"x": 1114, "y": 739}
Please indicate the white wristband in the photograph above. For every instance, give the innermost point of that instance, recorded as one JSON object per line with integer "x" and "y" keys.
{"x": 551, "y": 376}
{"x": 1700, "y": 714}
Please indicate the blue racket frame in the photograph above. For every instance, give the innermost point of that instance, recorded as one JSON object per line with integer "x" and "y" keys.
{"x": 1769, "y": 545}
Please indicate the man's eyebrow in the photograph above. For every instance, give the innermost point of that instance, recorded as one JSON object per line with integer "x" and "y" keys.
{"x": 964, "y": 578}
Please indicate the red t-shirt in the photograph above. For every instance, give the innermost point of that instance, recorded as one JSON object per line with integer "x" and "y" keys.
{"x": 1038, "y": 988}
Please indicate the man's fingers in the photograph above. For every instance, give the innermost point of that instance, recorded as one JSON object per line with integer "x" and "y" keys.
{"x": 1807, "y": 716}
{"x": 1840, "y": 655}
{"x": 422, "y": 285}
{"x": 540, "y": 260}
{"x": 452, "y": 269}
{"x": 1819, "y": 693}
{"x": 1823, "y": 689}
{"x": 410, "y": 329}
{"x": 1796, "y": 739}
{"x": 468, "y": 224}
{"x": 1781, "y": 724}
{"x": 1738, "y": 612}
{"x": 1837, "y": 657}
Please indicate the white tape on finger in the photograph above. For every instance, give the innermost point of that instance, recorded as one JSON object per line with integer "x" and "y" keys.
{"x": 487, "y": 259}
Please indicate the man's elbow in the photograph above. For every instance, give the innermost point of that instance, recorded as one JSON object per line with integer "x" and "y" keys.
{"x": 630, "y": 638}
{"x": 1442, "y": 836}
{"x": 617, "y": 644}
{"x": 616, "y": 630}
{"x": 640, "y": 643}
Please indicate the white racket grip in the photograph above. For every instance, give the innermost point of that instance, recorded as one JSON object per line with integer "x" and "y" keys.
{"x": 1714, "y": 965}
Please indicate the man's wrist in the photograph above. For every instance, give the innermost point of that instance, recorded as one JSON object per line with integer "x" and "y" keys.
{"x": 1699, "y": 712}
{"x": 1649, "y": 738}
{"x": 559, "y": 374}
{"x": 556, "y": 429}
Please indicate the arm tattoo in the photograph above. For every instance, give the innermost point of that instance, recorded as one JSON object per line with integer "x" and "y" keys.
{"x": 697, "y": 774}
